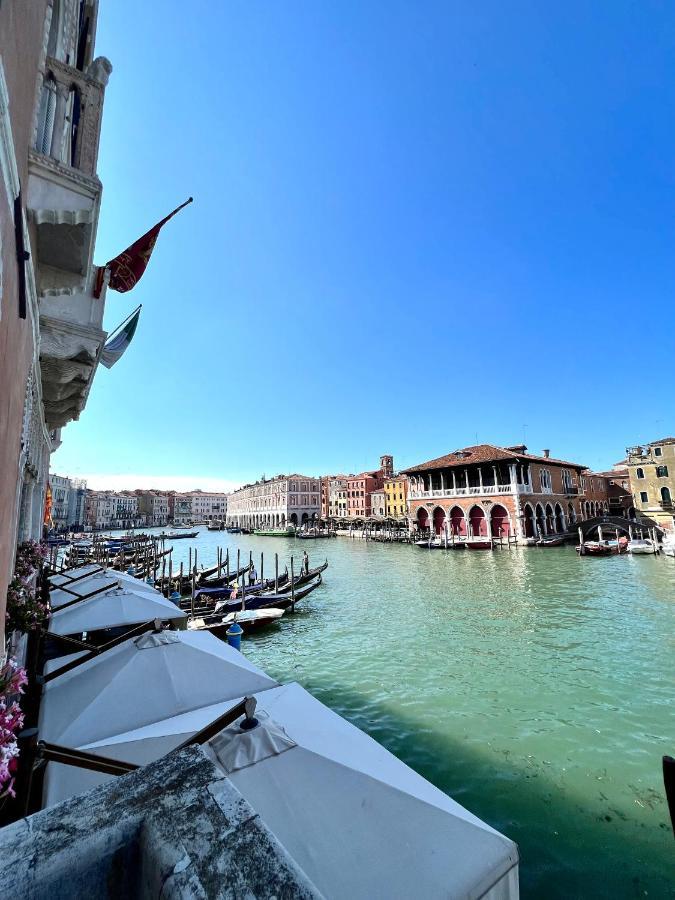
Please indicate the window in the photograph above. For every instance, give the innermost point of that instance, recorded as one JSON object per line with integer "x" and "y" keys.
{"x": 640, "y": 473}
{"x": 658, "y": 451}
{"x": 662, "y": 471}
{"x": 643, "y": 497}
{"x": 665, "y": 496}
{"x": 545, "y": 480}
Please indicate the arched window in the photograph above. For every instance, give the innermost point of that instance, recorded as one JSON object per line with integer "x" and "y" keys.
{"x": 640, "y": 473}
{"x": 545, "y": 480}
{"x": 665, "y": 496}
{"x": 43, "y": 141}
{"x": 662, "y": 471}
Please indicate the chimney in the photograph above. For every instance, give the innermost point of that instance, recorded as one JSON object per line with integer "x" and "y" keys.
{"x": 547, "y": 453}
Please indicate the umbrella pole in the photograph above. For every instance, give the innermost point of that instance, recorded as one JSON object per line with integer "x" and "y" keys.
{"x": 292, "y": 588}
{"x": 276, "y": 573}
{"x": 262, "y": 570}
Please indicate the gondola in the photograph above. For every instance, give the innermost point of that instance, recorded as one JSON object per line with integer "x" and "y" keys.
{"x": 550, "y": 542}
{"x": 269, "y": 600}
{"x": 176, "y": 535}
{"x": 479, "y": 545}
{"x": 249, "y": 620}
{"x": 603, "y": 548}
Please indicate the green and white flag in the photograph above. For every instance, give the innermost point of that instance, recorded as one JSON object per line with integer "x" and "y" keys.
{"x": 116, "y": 345}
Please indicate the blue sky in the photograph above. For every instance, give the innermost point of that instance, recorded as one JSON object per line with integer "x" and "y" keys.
{"x": 416, "y": 225}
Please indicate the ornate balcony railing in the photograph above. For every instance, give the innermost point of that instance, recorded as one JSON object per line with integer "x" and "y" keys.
{"x": 473, "y": 491}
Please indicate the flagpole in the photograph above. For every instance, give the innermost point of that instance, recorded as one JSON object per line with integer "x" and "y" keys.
{"x": 121, "y": 326}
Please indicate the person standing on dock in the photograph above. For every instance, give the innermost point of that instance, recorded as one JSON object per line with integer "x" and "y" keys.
{"x": 305, "y": 562}
{"x": 252, "y": 575}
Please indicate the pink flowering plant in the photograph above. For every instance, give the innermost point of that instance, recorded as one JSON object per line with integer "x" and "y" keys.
{"x": 12, "y": 680}
{"x": 25, "y": 609}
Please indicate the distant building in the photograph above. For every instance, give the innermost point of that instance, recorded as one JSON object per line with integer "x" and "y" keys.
{"x": 396, "y": 496}
{"x": 485, "y": 489}
{"x": 180, "y": 508}
{"x": 60, "y": 486}
{"x": 76, "y": 504}
{"x": 333, "y": 496}
{"x": 276, "y": 502}
{"x": 99, "y": 507}
{"x": 337, "y": 497}
{"x": 208, "y": 506}
{"x": 153, "y": 507}
{"x": 378, "y": 503}
{"x": 361, "y": 487}
{"x": 651, "y": 470}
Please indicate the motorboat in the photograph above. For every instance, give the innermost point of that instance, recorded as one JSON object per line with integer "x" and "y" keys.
{"x": 642, "y": 545}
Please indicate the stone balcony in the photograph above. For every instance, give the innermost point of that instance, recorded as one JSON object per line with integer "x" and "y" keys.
{"x": 486, "y": 490}
{"x": 63, "y": 200}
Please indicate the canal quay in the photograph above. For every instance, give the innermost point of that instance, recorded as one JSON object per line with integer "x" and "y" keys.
{"x": 532, "y": 686}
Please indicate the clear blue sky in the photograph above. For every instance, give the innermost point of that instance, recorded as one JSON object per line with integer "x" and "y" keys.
{"x": 416, "y": 224}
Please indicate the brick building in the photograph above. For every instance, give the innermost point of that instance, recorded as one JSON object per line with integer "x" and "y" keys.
{"x": 485, "y": 489}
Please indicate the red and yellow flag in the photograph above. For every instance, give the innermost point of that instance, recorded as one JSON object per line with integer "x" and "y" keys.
{"x": 127, "y": 269}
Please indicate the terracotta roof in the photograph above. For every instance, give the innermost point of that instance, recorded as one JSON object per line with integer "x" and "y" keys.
{"x": 668, "y": 440}
{"x": 484, "y": 453}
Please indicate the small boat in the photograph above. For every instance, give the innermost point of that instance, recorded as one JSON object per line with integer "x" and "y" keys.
{"x": 248, "y": 619}
{"x": 233, "y": 530}
{"x": 182, "y": 526}
{"x": 176, "y": 535}
{"x": 603, "y": 548}
{"x": 642, "y": 545}
{"x": 479, "y": 545}
{"x": 313, "y": 535}
{"x": 552, "y": 541}
{"x": 668, "y": 545}
{"x": 289, "y": 531}
{"x": 215, "y": 526}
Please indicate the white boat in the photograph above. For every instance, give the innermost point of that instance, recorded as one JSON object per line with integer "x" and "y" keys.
{"x": 641, "y": 545}
{"x": 668, "y": 545}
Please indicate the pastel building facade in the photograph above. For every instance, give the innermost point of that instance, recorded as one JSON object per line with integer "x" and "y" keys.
{"x": 651, "y": 469}
{"x": 485, "y": 490}
{"x": 276, "y": 502}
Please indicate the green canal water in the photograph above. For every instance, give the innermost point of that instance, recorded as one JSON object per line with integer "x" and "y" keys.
{"x": 534, "y": 687}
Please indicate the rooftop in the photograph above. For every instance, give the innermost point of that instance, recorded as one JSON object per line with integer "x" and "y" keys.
{"x": 484, "y": 453}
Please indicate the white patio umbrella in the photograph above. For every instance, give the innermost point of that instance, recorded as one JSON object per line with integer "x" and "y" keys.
{"x": 356, "y": 819}
{"x": 95, "y": 580}
{"x": 123, "y": 604}
{"x": 140, "y": 681}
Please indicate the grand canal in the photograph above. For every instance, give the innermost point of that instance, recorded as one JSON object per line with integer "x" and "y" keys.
{"x": 534, "y": 687}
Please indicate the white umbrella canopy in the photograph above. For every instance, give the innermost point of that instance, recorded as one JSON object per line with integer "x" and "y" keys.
{"x": 119, "y": 606}
{"x": 94, "y": 580}
{"x": 140, "y": 681}
{"x": 356, "y": 819}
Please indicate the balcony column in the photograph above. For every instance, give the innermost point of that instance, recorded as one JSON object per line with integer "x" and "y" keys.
{"x": 58, "y": 130}
{"x": 466, "y": 476}
{"x": 494, "y": 472}
{"x": 454, "y": 481}
{"x": 480, "y": 478}
{"x": 442, "y": 484}
{"x": 513, "y": 474}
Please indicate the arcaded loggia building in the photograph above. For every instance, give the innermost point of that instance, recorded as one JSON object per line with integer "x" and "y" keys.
{"x": 489, "y": 491}
{"x": 51, "y": 102}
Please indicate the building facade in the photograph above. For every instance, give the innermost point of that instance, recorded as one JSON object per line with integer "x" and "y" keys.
{"x": 208, "y": 506}
{"x": 378, "y": 504}
{"x": 488, "y": 490}
{"x": 337, "y": 497}
{"x": 153, "y": 507}
{"x": 651, "y": 469}
{"x": 276, "y": 502}
{"x": 60, "y": 487}
{"x": 51, "y": 101}
{"x": 396, "y": 495}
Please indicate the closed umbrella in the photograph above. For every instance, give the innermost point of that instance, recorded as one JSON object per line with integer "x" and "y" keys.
{"x": 140, "y": 681}
{"x": 122, "y": 604}
{"x": 356, "y": 819}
